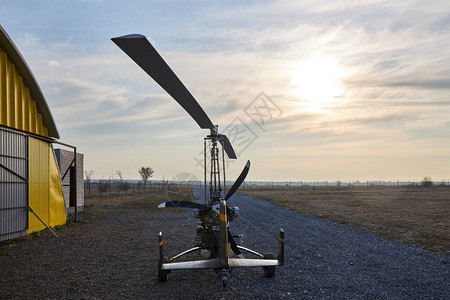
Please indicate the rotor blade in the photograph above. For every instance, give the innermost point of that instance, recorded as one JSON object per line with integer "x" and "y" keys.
{"x": 225, "y": 142}
{"x": 185, "y": 204}
{"x": 239, "y": 181}
{"x": 139, "y": 49}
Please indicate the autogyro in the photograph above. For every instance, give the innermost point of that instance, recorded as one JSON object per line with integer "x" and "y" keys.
{"x": 218, "y": 248}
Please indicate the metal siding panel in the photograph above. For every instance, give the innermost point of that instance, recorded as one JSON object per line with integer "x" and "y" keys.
{"x": 39, "y": 183}
{"x": 18, "y": 101}
{"x": 33, "y": 161}
{"x": 10, "y": 94}
{"x": 33, "y": 182}
{"x": 57, "y": 204}
{"x": 3, "y": 88}
{"x": 33, "y": 222}
{"x": 65, "y": 157}
{"x": 13, "y": 190}
{"x": 44, "y": 207}
{"x": 39, "y": 124}
{"x": 33, "y": 111}
{"x": 26, "y": 109}
{"x": 43, "y": 162}
{"x": 13, "y": 56}
{"x": 18, "y": 108}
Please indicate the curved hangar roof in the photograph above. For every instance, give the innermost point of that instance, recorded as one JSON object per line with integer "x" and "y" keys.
{"x": 31, "y": 115}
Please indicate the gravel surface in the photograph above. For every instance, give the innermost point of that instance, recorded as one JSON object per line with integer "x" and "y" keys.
{"x": 114, "y": 254}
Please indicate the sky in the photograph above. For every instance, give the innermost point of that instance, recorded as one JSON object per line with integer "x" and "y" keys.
{"x": 305, "y": 90}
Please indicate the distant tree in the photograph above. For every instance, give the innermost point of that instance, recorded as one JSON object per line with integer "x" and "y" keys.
{"x": 146, "y": 173}
{"x": 120, "y": 183}
{"x": 119, "y": 174}
{"x": 427, "y": 182}
{"x": 89, "y": 174}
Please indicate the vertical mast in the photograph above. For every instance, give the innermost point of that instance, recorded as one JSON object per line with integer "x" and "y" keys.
{"x": 204, "y": 167}
{"x": 224, "y": 177}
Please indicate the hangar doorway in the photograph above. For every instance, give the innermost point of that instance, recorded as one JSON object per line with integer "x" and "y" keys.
{"x": 13, "y": 184}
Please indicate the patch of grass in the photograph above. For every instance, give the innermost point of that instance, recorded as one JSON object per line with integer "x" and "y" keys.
{"x": 147, "y": 200}
{"x": 68, "y": 224}
{"x": 283, "y": 201}
{"x": 27, "y": 237}
{"x": 3, "y": 252}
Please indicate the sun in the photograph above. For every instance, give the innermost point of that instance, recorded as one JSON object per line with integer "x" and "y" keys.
{"x": 317, "y": 81}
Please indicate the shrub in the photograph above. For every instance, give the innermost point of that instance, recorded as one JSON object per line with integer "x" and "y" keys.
{"x": 427, "y": 182}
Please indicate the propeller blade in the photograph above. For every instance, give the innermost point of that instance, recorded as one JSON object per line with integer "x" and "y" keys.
{"x": 139, "y": 49}
{"x": 239, "y": 181}
{"x": 225, "y": 142}
{"x": 233, "y": 244}
{"x": 185, "y": 204}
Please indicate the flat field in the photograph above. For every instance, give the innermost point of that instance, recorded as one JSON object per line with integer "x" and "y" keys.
{"x": 145, "y": 197}
{"x": 414, "y": 215}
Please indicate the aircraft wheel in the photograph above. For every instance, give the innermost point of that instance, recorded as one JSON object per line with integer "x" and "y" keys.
{"x": 269, "y": 272}
{"x": 162, "y": 274}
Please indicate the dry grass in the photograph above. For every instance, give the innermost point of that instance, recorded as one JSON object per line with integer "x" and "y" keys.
{"x": 146, "y": 199}
{"x": 419, "y": 216}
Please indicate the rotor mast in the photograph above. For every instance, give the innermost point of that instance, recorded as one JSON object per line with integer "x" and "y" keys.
{"x": 215, "y": 185}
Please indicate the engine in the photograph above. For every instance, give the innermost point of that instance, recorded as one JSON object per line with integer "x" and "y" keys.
{"x": 207, "y": 235}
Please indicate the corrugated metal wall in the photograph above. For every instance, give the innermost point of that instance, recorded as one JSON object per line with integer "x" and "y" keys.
{"x": 65, "y": 158}
{"x": 45, "y": 190}
{"x": 17, "y": 107}
{"x": 13, "y": 184}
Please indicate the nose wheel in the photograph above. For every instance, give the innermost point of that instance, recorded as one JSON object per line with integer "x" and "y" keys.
{"x": 224, "y": 277}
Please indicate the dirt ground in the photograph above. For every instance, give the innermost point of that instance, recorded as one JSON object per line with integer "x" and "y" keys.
{"x": 414, "y": 215}
{"x": 112, "y": 253}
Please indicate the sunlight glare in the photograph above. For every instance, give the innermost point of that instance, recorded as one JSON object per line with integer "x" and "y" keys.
{"x": 317, "y": 81}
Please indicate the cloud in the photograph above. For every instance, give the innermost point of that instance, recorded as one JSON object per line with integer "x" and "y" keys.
{"x": 395, "y": 82}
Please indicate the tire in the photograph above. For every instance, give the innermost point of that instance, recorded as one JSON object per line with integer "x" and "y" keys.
{"x": 269, "y": 272}
{"x": 162, "y": 274}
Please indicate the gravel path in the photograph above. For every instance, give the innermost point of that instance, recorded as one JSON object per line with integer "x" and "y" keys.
{"x": 114, "y": 255}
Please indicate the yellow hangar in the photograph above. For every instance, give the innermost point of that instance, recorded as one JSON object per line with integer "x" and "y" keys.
{"x": 31, "y": 190}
